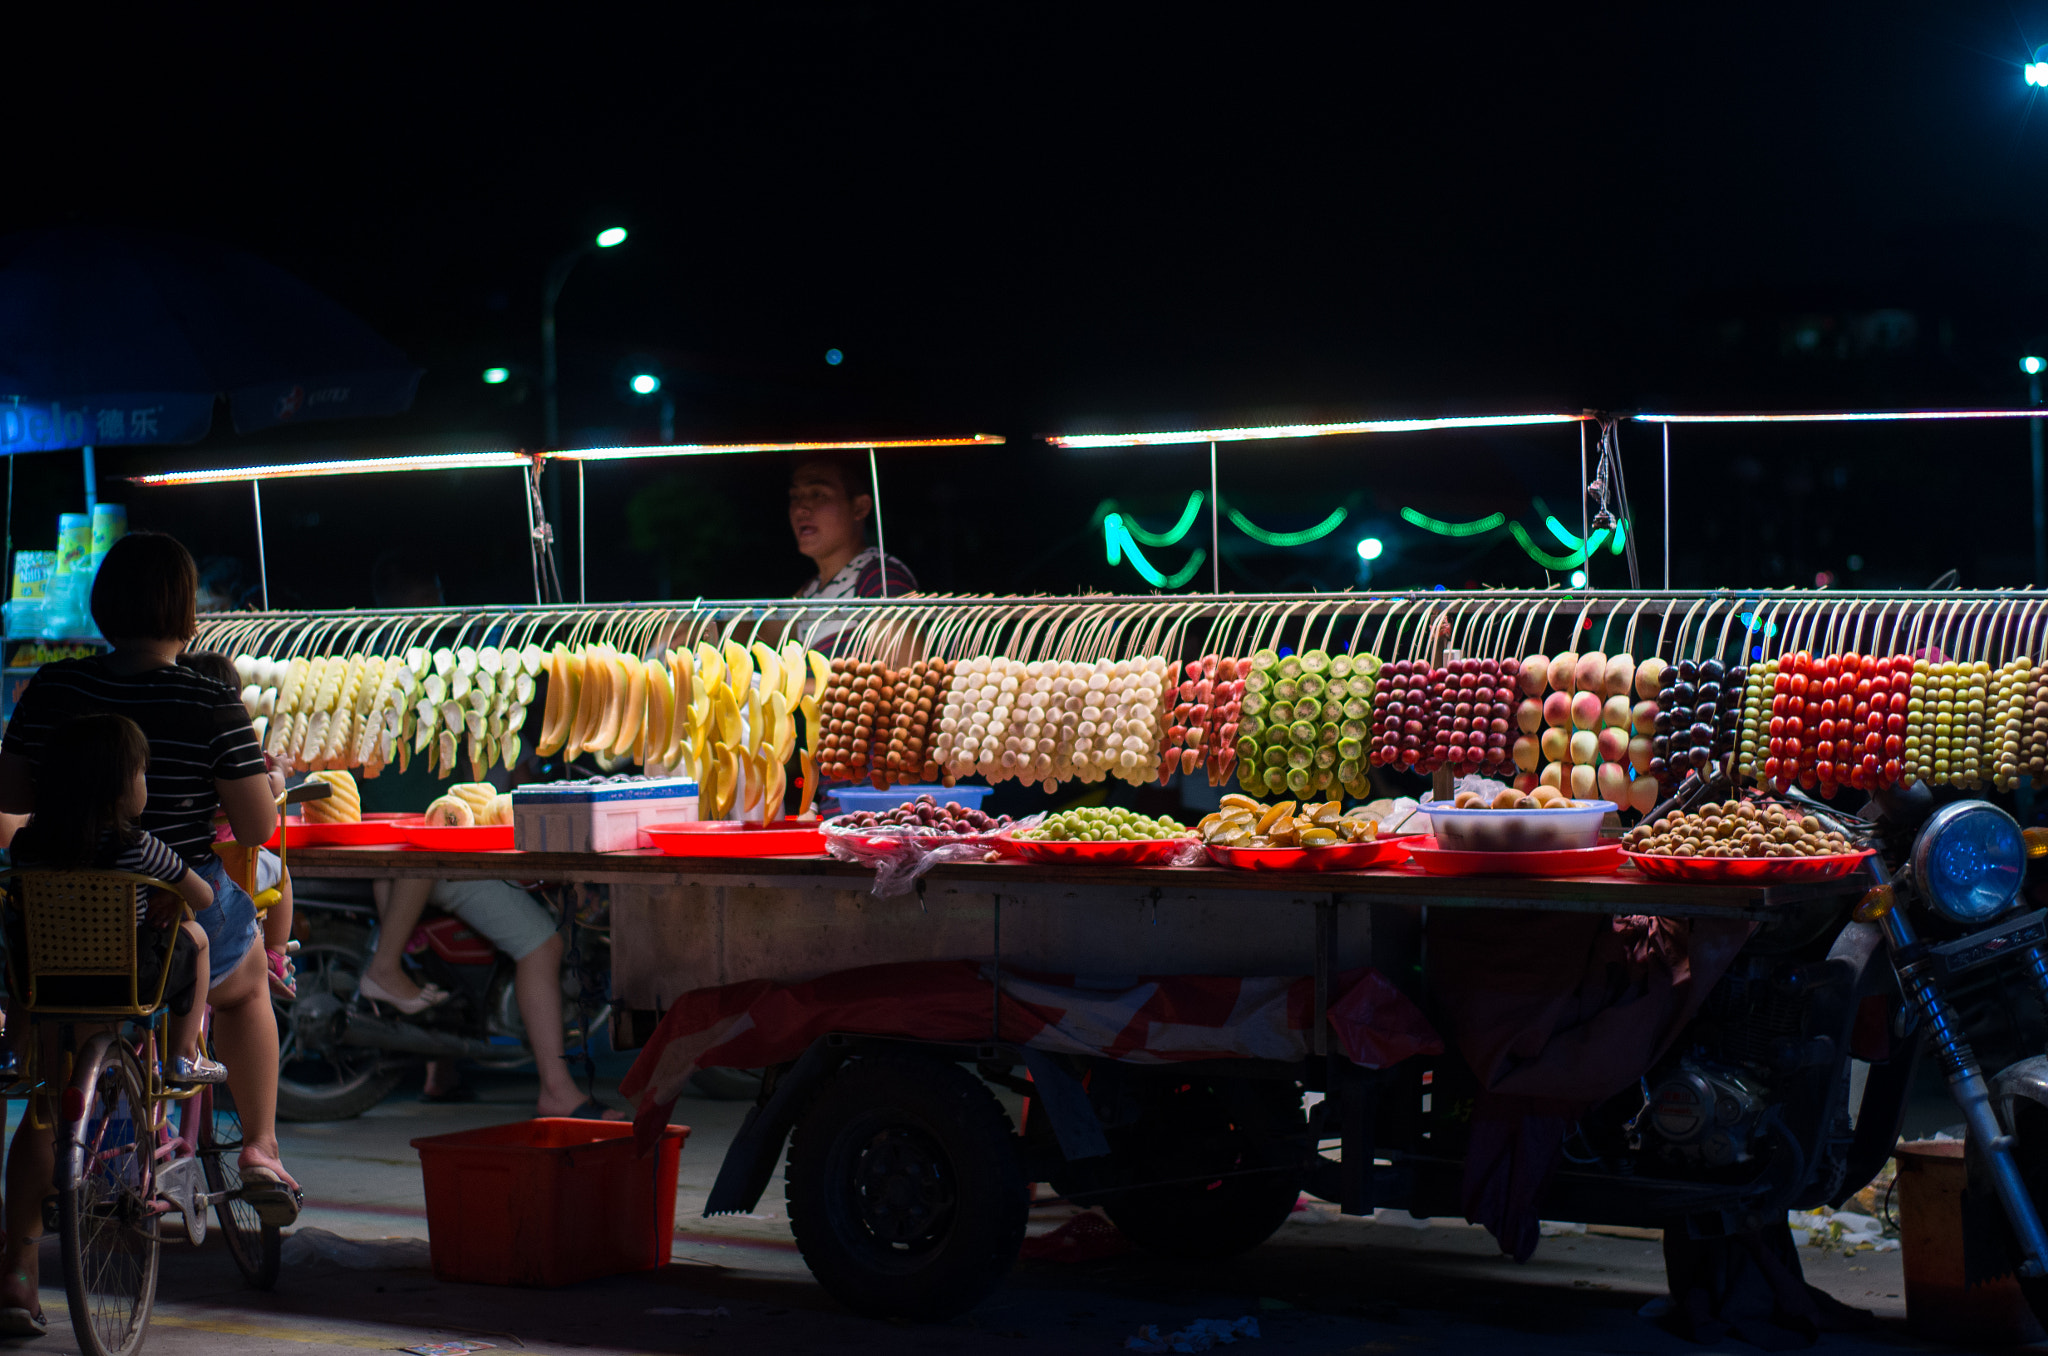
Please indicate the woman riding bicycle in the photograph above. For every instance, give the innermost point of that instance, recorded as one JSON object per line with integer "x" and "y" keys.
{"x": 204, "y": 757}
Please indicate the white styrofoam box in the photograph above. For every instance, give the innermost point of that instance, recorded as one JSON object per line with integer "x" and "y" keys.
{"x": 598, "y": 816}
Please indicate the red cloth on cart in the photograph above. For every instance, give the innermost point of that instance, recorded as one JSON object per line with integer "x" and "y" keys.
{"x": 1154, "y": 1019}
{"x": 1555, "y": 1013}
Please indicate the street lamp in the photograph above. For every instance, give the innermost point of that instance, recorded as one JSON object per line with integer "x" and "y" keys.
{"x": 497, "y": 376}
{"x": 2037, "y": 71}
{"x": 606, "y": 239}
{"x": 648, "y": 384}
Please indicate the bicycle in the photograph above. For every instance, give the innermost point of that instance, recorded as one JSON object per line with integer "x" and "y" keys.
{"x": 121, "y": 1166}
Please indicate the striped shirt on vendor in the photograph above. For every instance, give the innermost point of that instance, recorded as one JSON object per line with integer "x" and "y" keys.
{"x": 198, "y": 732}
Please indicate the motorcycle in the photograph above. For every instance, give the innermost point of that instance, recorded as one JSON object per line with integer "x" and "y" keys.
{"x": 340, "y": 1054}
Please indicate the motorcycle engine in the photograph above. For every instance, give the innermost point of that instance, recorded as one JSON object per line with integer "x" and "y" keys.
{"x": 1703, "y": 1114}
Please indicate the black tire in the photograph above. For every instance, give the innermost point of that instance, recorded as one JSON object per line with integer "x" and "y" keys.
{"x": 256, "y": 1247}
{"x": 328, "y": 1083}
{"x": 904, "y": 1188}
{"x": 1233, "y": 1180}
{"x": 107, "y": 1233}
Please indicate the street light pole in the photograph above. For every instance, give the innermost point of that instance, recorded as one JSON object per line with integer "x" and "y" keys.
{"x": 2032, "y": 367}
{"x": 551, "y": 292}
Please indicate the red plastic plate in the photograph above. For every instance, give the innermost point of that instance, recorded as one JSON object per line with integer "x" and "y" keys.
{"x": 1339, "y": 857}
{"x": 384, "y": 828}
{"x": 1592, "y": 861}
{"x": 1748, "y": 870}
{"x": 1145, "y": 852}
{"x": 726, "y": 838}
{"x": 466, "y": 838}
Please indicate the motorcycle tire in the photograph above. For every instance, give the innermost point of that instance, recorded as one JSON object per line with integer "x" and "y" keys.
{"x": 334, "y": 1084}
{"x": 905, "y": 1191}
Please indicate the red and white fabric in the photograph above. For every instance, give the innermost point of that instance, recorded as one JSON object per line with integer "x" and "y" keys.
{"x": 1154, "y": 1019}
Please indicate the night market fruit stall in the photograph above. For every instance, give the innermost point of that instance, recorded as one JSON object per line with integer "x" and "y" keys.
{"x": 1239, "y": 988}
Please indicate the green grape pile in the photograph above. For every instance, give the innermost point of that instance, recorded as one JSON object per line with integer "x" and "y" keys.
{"x": 1099, "y": 824}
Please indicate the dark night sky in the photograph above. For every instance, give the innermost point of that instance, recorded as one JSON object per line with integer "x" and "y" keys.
{"x": 1029, "y": 219}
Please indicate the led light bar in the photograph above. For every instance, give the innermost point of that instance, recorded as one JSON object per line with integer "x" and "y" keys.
{"x": 1844, "y": 417}
{"x": 726, "y": 449}
{"x": 1244, "y": 435}
{"x": 439, "y": 461}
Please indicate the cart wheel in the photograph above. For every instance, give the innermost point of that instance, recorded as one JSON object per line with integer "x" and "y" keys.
{"x": 1232, "y": 1184}
{"x": 107, "y": 1231}
{"x": 904, "y": 1189}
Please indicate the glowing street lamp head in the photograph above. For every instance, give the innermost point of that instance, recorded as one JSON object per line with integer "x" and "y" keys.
{"x": 2032, "y": 365}
{"x": 1578, "y": 579}
{"x": 1371, "y": 548}
{"x": 497, "y": 376}
{"x": 645, "y": 383}
{"x": 610, "y": 236}
{"x": 2037, "y": 70}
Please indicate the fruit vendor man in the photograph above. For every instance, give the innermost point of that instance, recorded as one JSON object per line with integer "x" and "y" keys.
{"x": 830, "y": 507}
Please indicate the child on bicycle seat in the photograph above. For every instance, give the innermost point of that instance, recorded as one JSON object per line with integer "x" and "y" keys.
{"x": 89, "y": 793}
{"x": 270, "y": 872}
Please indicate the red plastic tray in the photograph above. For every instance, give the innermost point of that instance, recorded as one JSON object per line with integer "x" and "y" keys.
{"x": 1142, "y": 852}
{"x": 1749, "y": 870}
{"x": 380, "y": 829}
{"x": 1340, "y": 857}
{"x": 729, "y": 838}
{"x": 463, "y": 838}
{"x": 1592, "y": 861}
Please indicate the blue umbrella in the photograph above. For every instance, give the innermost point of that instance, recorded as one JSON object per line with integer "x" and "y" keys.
{"x": 112, "y": 337}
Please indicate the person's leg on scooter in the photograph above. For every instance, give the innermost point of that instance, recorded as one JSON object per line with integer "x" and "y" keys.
{"x": 519, "y": 926}
{"x": 399, "y": 906}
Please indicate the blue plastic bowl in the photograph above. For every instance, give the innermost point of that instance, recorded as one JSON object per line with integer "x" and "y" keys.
{"x": 856, "y": 798}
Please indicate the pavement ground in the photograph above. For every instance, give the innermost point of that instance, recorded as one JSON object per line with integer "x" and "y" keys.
{"x": 737, "y": 1285}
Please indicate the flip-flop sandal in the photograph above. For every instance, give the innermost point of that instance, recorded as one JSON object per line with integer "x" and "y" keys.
{"x": 22, "y": 1323}
{"x": 591, "y": 1110}
{"x": 274, "y": 1200}
{"x": 461, "y": 1092}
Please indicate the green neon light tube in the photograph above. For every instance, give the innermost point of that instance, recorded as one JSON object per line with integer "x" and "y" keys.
{"x": 1541, "y": 556}
{"x": 1301, "y": 538}
{"x": 1444, "y": 529}
{"x": 1558, "y": 530}
{"x": 1172, "y": 535}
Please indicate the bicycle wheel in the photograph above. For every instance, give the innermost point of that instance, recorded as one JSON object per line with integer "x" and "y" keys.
{"x": 107, "y": 1229}
{"x": 255, "y": 1246}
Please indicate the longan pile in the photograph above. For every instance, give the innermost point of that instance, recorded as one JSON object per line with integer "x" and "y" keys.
{"x": 878, "y": 721}
{"x": 1736, "y": 829}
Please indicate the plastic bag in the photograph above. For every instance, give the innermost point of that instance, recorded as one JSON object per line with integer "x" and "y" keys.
{"x": 898, "y": 856}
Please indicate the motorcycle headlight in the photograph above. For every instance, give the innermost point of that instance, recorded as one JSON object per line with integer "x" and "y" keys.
{"x": 1969, "y": 860}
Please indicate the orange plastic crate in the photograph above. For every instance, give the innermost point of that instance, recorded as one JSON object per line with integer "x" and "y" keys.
{"x": 548, "y": 1202}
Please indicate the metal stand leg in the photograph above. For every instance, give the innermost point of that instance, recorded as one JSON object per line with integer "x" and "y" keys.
{"x": 995, "y": 1016}
{"x": 1326, "y": 951}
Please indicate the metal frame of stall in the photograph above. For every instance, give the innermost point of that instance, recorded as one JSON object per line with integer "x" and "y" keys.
{"x": 540, "y": 534}
{"x": 1171, "y": 438}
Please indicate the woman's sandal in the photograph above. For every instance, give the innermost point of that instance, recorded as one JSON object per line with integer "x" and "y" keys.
{"x": 274, "y": 1200}
{"x": 430, "y": 996}
{"x": 23, "y": 1323}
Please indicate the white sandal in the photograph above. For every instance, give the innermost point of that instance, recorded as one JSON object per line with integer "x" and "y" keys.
{"x": 430, "y": 996}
